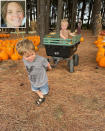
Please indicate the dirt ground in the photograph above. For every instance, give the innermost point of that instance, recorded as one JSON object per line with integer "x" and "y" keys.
{"x": 76, "y": 101}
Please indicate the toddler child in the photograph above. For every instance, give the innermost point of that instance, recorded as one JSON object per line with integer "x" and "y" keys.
{"x": 36, "y": 67}
{"x": 64, "y": 32}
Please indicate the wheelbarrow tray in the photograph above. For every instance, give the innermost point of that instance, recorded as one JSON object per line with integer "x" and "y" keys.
{"x": 58, "y": 47}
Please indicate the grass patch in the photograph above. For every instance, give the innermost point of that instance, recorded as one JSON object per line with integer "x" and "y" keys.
{"x": 92, "y": 103}
{"x": 58, "y": 112}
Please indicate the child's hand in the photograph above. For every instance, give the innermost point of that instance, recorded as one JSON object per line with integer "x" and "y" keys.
{"x": 49, "y": 66}
{"x": 72, "y": 34}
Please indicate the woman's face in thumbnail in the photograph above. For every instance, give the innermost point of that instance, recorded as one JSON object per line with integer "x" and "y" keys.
{"x": 14, "y": 15}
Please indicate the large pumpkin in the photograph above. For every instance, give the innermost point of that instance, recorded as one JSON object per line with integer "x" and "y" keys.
{"x": 100, "y": 53}
{"x": 102, "y": 61}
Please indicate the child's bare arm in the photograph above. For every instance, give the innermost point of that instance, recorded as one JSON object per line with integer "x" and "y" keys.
{"x": 69, "y": 34}
{"x": 62, "y": 36}
{"x": 72, "y": 34}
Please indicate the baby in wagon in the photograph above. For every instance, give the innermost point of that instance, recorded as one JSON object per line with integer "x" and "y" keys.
{"x": 64, "y": 32}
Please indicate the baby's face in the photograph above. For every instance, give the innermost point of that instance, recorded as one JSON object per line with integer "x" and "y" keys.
{"x": 64, "y": 25}
{"x": 29, "y": 56}
{"x": 14, "y": 15}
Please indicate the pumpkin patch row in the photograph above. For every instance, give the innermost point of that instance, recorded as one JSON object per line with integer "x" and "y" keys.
{"x": 4, "y": 35}
{"x": 8, "y": 47}
{"x": 100, "y": 57}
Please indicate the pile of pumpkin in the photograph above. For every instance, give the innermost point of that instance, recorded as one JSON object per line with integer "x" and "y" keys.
{"x": 4, "y": 35}
{"x": 100, "y": 57}
{"x": 8, "y": 48}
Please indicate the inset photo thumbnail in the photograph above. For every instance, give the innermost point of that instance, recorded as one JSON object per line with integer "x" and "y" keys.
{"x": 13, "y": 14}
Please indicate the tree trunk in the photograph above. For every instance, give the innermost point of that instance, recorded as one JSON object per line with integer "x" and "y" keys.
{"x": 83, "y": 9}
{"x": 78, "y": 11}
{"x": 74, "y": 13}
{"x": 38, "y": 17}
{"x": 70, "y": 4}
{"x": 59, "y": 17}
{"x": 27, "y": 17}
{"x": 90, "y": 9}
{"x": 96, "y": 17}
{"x": 30, "y": 13}
{"x": 103, "y": 14}
{"x": 47, "y": 16}
{"x": 42, "y": 20}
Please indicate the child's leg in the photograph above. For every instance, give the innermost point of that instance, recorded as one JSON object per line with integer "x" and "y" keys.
{"x": 40, "y": 94}
{"x": 41, "y": 98}
{"x": 37, "y": 91}
{"x": 44, "y": 89}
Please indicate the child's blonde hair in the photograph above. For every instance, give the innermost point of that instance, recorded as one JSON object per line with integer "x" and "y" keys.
{"x": 64, "y": 21}
{"x": 25, "y": 46}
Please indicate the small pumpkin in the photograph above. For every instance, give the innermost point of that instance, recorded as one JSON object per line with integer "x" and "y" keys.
{"x": 36, "y": 48}
{"x": 95, "y": 42}
{"x": 81, "y": 39}
{"x": 14, "y": 56}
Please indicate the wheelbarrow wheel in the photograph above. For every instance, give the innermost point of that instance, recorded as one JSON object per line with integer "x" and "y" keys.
{"x": 71, "y": 65}
{"x": 76, "y": 59}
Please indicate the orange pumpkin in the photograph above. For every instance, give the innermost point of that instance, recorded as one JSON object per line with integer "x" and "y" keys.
{"x": 8, "y": 35}
{"x": 95, "y": 42}
{"x": 102, "y": 61}
{"x": 101, "y": 50}
{"x": 14, "y": 56}
{"x": 100, "y": 53}
{"x": 81, "y": 39}
{"x": 9, "y": 51}
{"x": 16, "y": 53}
{"x": 3, "y": 55}
{"x": 36, "y": 48}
